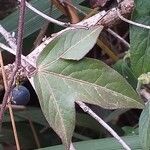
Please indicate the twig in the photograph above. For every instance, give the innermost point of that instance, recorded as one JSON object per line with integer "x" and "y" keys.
{"x": 119, "y": 37}
{"x": 12, "y": 43}
{"x": 8, "y": 37}
{"x": 107, "y": 50}
{"x": 8, "y": 49}
{"x": 132, "y": 22}
{"x": 109, "y": 20}
{"x": 45, "y": 16}
{"x": 110, "y": 31}
{"x": 40, "y": 35}
{"x": 44, "y": 129}
{"x": 105, "y": 125}
{"x": 9, "y": 104}
{"x": 34, "y": 134}
{"x": 14, "y": 126}
{"x": 16, "y": 107}
{"x": 18, "y": 58}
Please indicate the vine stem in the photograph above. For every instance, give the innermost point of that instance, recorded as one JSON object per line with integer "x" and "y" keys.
{"x": 86, "y": 109}
{"x": 17, "y": 60}
{"x": 45, "y": 16}
{"x": 132, "y": 22}
{"x": 9, "y": 104}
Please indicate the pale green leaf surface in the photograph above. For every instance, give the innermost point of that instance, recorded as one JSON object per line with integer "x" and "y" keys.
{"x": 144, "y": 127}
{"x": 59, "y": 83}
{"x": 33, "y": 113}
{"x": 140, "y": 39}
{"x": 79, "y": 42}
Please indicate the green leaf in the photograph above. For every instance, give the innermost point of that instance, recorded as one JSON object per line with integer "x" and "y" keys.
{"x": 84, "y": 120}
{"x": 139, "y": 39}
{"x": 144, "y": 127}
{"x": 79, "y": 42}
{"x": 59, "y": 83}
{"x": 24, "y": 132}
{"x": 102, "y": 144}
{"x": 123, "y": 68}
{"x": 33, "y": 22}
{"x": 128, "y": 130}
{"x": 32, "y": 113}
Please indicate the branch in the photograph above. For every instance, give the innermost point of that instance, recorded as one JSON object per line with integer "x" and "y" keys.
{"x": 125, "y": 8}
{"x": 107, "y": 19}
{"x": 18, "y": 58}
{"x": 105, "y": 125}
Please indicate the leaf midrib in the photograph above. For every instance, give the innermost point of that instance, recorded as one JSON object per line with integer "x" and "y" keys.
{"x": 61, "y": 119}
{"x": 81, "y": 39}
{"x": 88, "y": 83}
{"x": 66, "y": 50}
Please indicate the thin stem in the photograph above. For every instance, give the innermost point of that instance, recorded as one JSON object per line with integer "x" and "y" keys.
{"x": 41, "y": 35}
{"x": 9, "y": 104}
{"x": 119, "y": 37}
{"x": 8, "y": 37}
{"x": 16, "y": 107}
{"x": 107, "y": 50}
{"x": 95, "y": 10}
{"x": 105, "y": 125}
{"x": 34, "y": 134}
{"x": 8, "y": 49}
{"x": 14, "y": 126}
{"x": 18, "y": 58}
{"x": 132, "y": 22}
{"x": 45, "y": 16}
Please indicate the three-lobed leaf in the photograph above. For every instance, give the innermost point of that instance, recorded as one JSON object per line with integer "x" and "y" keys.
{"x": 59, "y": 83}
{"x": 139, "y": 39}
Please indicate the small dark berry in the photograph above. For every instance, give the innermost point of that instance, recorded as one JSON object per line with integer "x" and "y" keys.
{"x": 20, "y": 95}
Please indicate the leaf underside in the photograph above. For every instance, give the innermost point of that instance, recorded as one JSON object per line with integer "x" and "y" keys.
{"x": 59, "y": 83}
{"x": 82, "y": 41}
